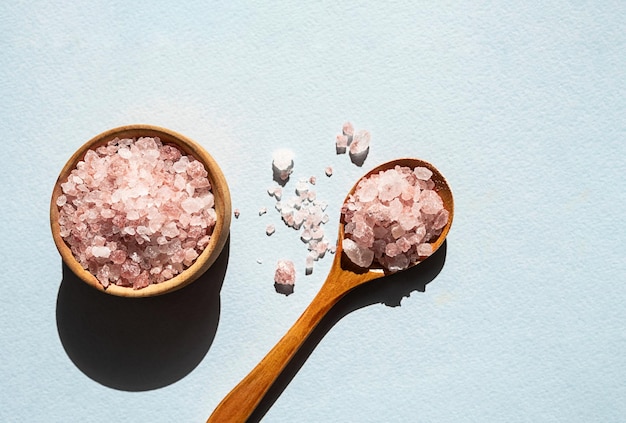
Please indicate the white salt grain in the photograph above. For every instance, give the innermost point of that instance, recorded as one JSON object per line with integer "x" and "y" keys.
{"x": 284, "y": 277}
{"x": 282, "y": 163}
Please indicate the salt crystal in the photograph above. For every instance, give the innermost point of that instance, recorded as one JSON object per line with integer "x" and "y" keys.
{"x": 190, "y": 255}
{"x": 282, "y": 163}
{"x": 424, "y": 250}
{"x": 308, "y": 269}
{"x": 328, "y": 171}
{"x": 423, "y": 173}
{"x": 270, "y": 229}
{"x": 276, "y": 192}
{"x": 361, "y": 256}
{"x": 101, "y": 252}
{"x": 302, "y": 187}
{"x": 124, "y": 153}
{"x": 284, "y": 277}
{"x": 431, "y": 201}
{"x": 347, "y": 129}
{"x": 262, "y": 211}
{"x": 312, "y": 180}
{"x": 132, "y": 215}
{"x": 196, "y": 170}
{"x": 341, "y": 143}
{"x": 236, "y": 213}
{"x": 360, "y": 143}
{"x": 181, "y": 165}
{"x": 191, "y": 205}
{"x": 141, "y": 280}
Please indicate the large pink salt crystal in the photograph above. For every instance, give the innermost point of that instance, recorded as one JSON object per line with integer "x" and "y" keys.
{"x": 403, "y": 214}
{"x": 360, "y": 255}
{"x": 284, "y": 277}
{"x": 360, "y": 143}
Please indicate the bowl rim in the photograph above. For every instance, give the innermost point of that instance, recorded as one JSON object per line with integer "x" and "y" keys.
{"x": 219, "y": 188}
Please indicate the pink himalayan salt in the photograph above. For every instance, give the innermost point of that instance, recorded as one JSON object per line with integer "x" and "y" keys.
{"x": 392, "y": 217}
{"x": 328, "y": 171}
{"x": 304, "y": 212}
{"x": 348, "y": 130}
{"x": 357, "y": 142}
{"x": 360, "y": 143}
{"x": 276, "y": 192}
{"x": 341, "y": 143}
{"x": 270, "y": 229}
{"x": 308, "y": 264}
{"x": 236, "y": 213}
{"x": 284, "y": 277}
{"x": 136, "y": 212}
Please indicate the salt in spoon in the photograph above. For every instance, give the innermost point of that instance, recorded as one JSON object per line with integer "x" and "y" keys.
{"x": 343, "y": 277}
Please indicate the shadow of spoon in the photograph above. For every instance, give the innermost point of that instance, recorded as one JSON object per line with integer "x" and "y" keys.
{"x": 344, "y": 276}
{"x": 389, "y": 290}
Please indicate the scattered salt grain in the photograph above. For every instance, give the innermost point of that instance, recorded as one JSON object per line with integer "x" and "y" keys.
{"x": 284, "y": 277}
{"x": 341, "y": 144}
{"x": 308, "y": 269}
{"x": 236, "y": 213}
{"x": 348, "y": 130}
{"x": 282, "y": 164}
{"x": 276, "y": 192}
{"x": 126, "y": 211}
{"x": 360, "y": 145}
{"x": 305, "y": 213}
{"x": 262, "y": 211}
{"x": 270, "y": 229}
{"x": 391, "y": 220}
{"x": 328, "y": 171}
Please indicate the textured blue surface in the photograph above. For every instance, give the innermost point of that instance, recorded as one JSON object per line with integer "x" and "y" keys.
{"x": 521, "y": 106}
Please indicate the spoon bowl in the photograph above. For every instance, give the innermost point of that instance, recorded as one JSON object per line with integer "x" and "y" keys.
{"x": 343, "y": 277}
{"x": 219, "y": 188}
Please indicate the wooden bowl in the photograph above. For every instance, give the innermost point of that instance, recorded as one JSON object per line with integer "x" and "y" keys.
{"x": 219, "y": 188}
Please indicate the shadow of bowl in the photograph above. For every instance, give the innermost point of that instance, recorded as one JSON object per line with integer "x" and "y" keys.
{"x": 139, "y": 344}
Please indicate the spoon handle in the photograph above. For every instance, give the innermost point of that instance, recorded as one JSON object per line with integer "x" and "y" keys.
{"x": 239, "y": 404}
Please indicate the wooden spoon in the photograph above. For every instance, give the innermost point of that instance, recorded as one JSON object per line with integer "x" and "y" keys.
{"x": 344, "y": 276}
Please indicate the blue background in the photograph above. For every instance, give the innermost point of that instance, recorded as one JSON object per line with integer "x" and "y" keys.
{"x": 521, "y": 106}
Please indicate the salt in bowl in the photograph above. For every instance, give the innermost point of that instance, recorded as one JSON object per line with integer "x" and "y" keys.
{"x": 219, "y": 189}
